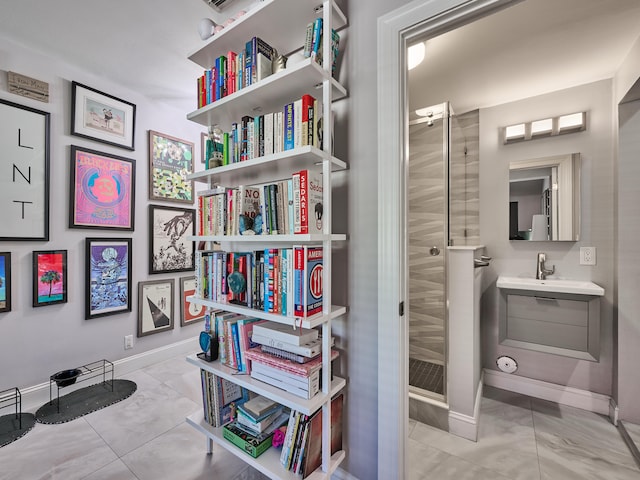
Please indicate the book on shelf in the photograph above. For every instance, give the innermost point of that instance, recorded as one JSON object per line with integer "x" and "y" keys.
{"x": 285, "y": 333}
{"x": 220, "y": 398}
{"x": 294, "y": 357}
{"x": 308, "y": 281}
{"x": 308, "y": 349}
{"x": 256, "y": 355}
{"x": 263, "y": 58}
{"x": 306, "y": 387}
{"x": 259, "y": 407}
{"x": 253, "y": 444}
{"x": 293, "y": 424}
{"x": 313, "y": 448}
{"x": 245, "y": 333}
{"x": 260, "y": 426}
{"x": 311, "y": 209}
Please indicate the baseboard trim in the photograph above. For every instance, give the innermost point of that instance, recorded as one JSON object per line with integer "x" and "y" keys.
{"x": 633, "y": 448}
{"x": 466, "y": 426}
{"x": 613, "y": 412}
{"x": 37, "y": 395}
{"x": 573, "y": 397}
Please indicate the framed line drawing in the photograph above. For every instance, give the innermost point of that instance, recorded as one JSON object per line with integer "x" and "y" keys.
{"x": 24, "y": 172}
{"x": 107, "y": 276}
{"x": 169, "y": 248}
{"x": 155, "y": 306}
{"x": 5, "y": 282}
{"x": 170, "y": 161}
{"x": 49, "y": 277}
{"x": 102, "y": 117}
{"x": 189, "y": 312}
{"x": 102, "y": 190}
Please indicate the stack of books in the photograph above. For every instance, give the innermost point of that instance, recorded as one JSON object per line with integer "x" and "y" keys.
{"x": 254, "y": 426}
{"x": 220, "y": 398}
{"x": 280, "y": 360}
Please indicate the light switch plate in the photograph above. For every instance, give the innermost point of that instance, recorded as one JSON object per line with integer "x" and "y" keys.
{"x": 587, "y": 255}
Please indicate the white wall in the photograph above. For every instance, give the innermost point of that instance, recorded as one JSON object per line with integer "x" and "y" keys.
{"x": 519, "y": 257}
{"x": 37, "y": 342}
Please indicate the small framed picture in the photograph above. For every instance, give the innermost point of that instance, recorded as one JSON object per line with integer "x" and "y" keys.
{"x": 169, "y": 248}
{"x": 189, "y": 312}
{"x": 102, "y": 117}
{"x": 5, "y": 282}
{"x": 170, "y": 161}
{"x": 102, "y": 190}
{"x": 49, "y": 277}
{"x": 107, "y": 277}
{"x": 155, "y": 306}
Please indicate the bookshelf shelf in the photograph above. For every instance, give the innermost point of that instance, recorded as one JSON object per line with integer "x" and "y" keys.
{"x": 257, "y": 170}
{"x": 268, "y": 95}
{"x": 283, "y": 25}
{"x": 310, "y": 322}
{"x": 285, "y": 398}
{"x": 269, "y": 462}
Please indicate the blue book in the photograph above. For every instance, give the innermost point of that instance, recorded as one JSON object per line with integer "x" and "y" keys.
{"x": 248, "y": 63}
{"x": 288, "y": 127}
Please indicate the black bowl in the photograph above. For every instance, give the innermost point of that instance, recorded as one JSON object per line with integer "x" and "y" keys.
{"x": 66, "y": 377}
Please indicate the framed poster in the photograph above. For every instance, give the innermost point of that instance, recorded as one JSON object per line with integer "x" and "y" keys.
{"x": 155, "y": 306}
{"x": 189, "y": 312}
{"x": 49, "y": 277}
{"x": 102, "y": 190}
{"x": 107, "y": 276}
{"x": 5, "y": 282}
{"x": 170, "y": 161}
{"x": 102, "y": 117}
{"x": 24, "y": 172}
{"x": 169, "y": 248}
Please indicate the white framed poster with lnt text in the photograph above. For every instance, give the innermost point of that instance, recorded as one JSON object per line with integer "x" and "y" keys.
{"x": 24, "y": 172}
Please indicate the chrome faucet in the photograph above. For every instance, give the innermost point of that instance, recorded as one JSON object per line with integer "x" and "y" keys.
{"x": 541, "y": 271}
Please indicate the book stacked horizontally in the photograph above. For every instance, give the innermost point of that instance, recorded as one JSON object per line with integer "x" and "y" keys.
{"x": 255, "y": 423}
{"x": 288, "y": 358}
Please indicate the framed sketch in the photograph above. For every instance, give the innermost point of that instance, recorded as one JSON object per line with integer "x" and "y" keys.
{"x": 102, "y": 117}
{"x": 170, "y": 161}
{"x": 49, "y": 277}
{"x": 102, "y": 190}
{"x": 189, "y": 312}
{"x": 107, "y": 276}
{"x": 5, "y": 282}
{"x": 155, "y": 306}
{"x": 169, "y": 248}
{"x": 24, "y": 172}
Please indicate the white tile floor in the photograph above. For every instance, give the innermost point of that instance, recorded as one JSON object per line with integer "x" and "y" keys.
{"x": 145, "y": 437}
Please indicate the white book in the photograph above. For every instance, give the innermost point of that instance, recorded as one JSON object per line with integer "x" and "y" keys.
{"x": 277, "y": 130}
{"x": 285, "y": 333}
{"x": 297, "y": 123}
{"x": 268, "y": 134}
{"x": 299, "y": 392}
{"x": 306, "y": 383}
{"x": 309, "y": 349}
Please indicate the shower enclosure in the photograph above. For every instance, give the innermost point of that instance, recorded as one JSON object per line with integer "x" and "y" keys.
{"x": 442, "y": 210}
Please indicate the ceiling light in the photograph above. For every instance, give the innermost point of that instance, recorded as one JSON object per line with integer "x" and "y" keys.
{"x": 415, "y": 55}
{"x": 572, "y": 122}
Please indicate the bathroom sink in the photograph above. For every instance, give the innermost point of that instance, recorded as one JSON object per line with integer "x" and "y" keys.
{"x": 580, "y": 287}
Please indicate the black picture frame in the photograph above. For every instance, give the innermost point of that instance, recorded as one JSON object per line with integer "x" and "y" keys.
{"x": 102, "y": 190}
{"x": 25, "y": 144}
{"x": 49, "y": 273}
{"x": 5, "y": 282}
{"x": 108, "y": 274}
{"x": 102, "y": 117}
{"x": 156, "y": 306}
{"x": 169, "y": 249}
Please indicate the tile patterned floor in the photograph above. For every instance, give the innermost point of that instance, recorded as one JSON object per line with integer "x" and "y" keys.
{"x": 145, "y": 437}
{"x": 426, "y": 375}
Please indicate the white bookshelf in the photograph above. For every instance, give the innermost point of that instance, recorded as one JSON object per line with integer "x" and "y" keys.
{"x": 282, "y": 24}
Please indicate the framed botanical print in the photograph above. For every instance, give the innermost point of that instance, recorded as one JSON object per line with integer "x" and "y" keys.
{"x": 189, "y": 312}
{"x": 155, "y": 306}
{"x": 24, "y": 172}
{"x": 102, "y": 117}
{"x": 102, "y": 190}
{"x": 49, "y": 277}
{"x": 107, "y": 276}
{"x": 170, "y": 161}
{"x": 5, "y": 282}
{"x": 169, "y": 248}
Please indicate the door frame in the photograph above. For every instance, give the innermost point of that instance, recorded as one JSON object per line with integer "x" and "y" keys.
{"x": 396, "y": 30}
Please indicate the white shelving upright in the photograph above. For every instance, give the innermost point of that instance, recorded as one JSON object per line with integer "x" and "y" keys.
{"x": 282, "y": 23}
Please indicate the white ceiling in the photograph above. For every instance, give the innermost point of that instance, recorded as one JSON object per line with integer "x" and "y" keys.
{"x": 531, "y": 48}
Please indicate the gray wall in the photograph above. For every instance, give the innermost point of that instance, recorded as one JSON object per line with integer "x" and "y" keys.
{"x": 518, "y": 257}
{"x": 37, "y": 342}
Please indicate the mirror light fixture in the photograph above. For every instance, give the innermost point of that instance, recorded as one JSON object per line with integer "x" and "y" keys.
{"x": 415, "y": 55}
{"x": 545, "y": 127}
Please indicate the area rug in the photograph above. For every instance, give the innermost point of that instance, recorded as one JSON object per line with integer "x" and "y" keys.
{"x": 12, "y": 429}
{"x": 85, "y": 400}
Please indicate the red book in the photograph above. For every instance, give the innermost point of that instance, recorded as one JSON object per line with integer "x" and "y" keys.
{"x": 311, "y": 209}
{"x": 307, "y": 103}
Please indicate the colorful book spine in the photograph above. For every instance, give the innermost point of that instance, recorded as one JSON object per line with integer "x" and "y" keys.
{"x": 288, "y": 122}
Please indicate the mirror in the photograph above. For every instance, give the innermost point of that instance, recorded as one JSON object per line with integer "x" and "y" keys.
{"x": 544, "y": 198}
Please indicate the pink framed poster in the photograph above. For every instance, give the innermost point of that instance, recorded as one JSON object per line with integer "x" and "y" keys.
{"x": 102, "y": 190}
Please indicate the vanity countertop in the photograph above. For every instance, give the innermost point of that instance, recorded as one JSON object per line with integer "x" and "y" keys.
{"x": 580, "y": 287}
